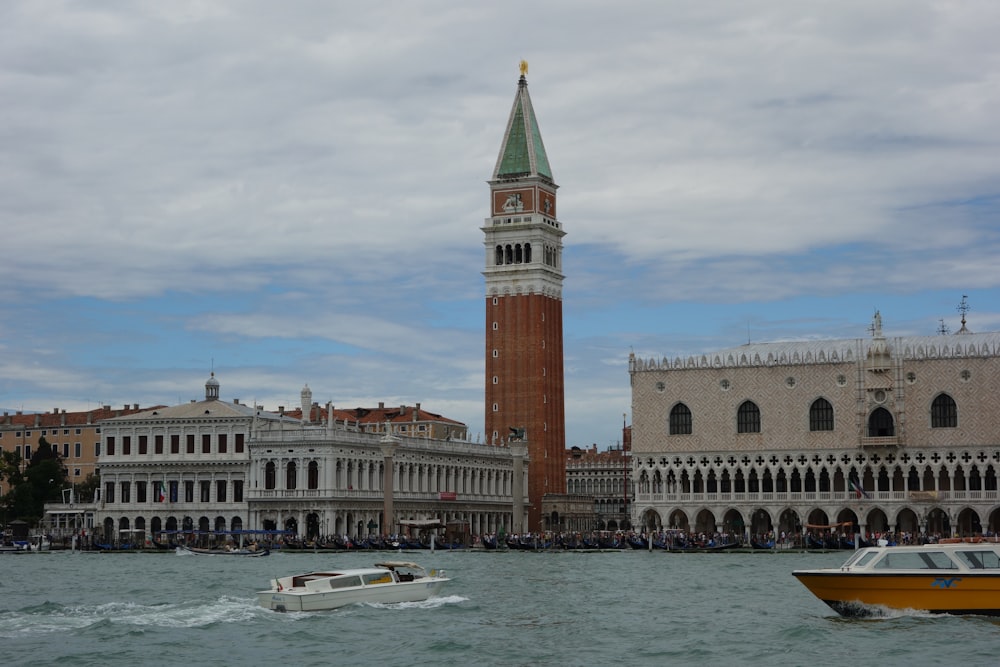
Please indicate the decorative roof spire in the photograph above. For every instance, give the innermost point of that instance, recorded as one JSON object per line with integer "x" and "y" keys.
{"x": 212, "y": 388}
{"x": 522, "y": 153}
{"x": 878, "y": 353}
{"x": 963, "y": 308}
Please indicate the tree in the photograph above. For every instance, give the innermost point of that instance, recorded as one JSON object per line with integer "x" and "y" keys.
{"x": 41, "y": 482}
{"x": 10, "y": 472}
{"x": 85, "y": 490}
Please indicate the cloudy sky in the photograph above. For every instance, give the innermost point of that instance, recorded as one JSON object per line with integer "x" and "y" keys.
{"x": 292, "y": 192}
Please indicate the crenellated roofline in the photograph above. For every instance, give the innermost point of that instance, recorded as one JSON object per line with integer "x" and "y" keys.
{"x": 795, "y": 353}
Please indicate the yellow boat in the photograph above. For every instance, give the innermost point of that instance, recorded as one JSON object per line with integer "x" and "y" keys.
{"x": 952, "y": 577}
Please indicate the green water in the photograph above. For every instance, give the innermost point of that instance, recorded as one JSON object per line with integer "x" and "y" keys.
{"x": 515, "y": 608}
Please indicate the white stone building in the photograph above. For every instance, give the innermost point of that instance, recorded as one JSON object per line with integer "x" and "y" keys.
{"x": 329, "y": 480}
{"x": 887, "y": 434}
{"x": 217, "y": 466}
{"x": 182, "y": 467}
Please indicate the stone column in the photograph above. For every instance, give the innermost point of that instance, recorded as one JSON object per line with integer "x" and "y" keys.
{"x": 518, "y": 451}
{"x": 388, "y": 444}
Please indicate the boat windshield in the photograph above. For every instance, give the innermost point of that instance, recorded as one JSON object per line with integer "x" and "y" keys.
{"x": 916, "y": 560}
{"x": 980, "y": 559}
{"x": 861, "y": 557}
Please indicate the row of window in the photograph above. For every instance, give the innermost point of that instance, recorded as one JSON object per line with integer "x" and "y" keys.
{"x": 55, "y": 431}
{"x": 944, "y": 414}
{"x": 77, "y": 450}
{"x": 173, "y": 491}
{"x": 142, "y": 444}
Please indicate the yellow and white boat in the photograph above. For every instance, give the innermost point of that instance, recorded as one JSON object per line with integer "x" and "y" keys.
{"x": 953, "y": 577}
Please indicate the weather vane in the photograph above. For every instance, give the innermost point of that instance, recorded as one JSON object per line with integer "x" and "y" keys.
{"x": 524, "y": 67}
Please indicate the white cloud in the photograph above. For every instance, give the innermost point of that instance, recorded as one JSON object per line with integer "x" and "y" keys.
{"x": 278, "y": 184}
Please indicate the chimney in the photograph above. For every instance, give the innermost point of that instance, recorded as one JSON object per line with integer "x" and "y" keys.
{"x": 135, "y": 406}
{"x": 381, "y": 405}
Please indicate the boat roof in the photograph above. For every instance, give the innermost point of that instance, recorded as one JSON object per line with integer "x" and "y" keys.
{"x": 391, "y": 564}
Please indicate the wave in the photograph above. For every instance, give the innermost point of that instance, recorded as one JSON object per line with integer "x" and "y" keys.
{"x": 430, "y": 603}
{"x": 49, "y": 618}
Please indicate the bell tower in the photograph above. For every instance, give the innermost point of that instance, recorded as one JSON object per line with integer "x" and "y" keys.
{"x": 524, "y": 340}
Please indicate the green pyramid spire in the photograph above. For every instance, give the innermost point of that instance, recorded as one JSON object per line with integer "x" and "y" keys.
{"x": 522, "y": 153}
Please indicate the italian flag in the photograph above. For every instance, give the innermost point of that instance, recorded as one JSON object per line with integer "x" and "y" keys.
{"x": 161, "y": 494}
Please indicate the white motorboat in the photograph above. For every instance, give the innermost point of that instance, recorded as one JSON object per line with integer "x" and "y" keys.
{"x": 387, "y": 582}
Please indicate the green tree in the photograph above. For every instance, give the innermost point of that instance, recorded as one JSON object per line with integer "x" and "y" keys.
{"x": 11, "y": 475}
{"x": 41, "y": 482}
{"x": 85, "y": 489}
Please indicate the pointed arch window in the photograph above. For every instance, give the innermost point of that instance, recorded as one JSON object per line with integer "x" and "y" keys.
{"x": 881, "y": 424}
{"x": 680, "y": 420}
{"x": 748, "y": 418}
{"x": 944, "y": 412}
{"x": 821, "y": 415}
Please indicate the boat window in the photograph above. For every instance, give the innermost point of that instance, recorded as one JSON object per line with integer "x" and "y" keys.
{"x": 916, "y": 560}
{"x": 345, "y": 582}
{"x": 980, "y": 559}
{"x": 377, "y": 578}
{"x": 860, "y": 557}
{"x": 866, "y": 558}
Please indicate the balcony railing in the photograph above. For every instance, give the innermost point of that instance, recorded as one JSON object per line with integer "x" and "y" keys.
{"x": 818, "y": 496}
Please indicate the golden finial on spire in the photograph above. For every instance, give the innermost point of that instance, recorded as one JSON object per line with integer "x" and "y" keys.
{"x": 524, "y": 67}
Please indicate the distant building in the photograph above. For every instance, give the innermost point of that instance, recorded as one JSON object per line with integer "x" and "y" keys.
{"x": 884, "y": 434}
{"x": 182, "y": 467}
{"x": 524, "y": 337}
{"x": 605, "y": 477}
{"x": 403, "y": 419}
{"x": 329, "y": 479}
{"x": 75, "y": 436}
{"x": 211, "y": 465}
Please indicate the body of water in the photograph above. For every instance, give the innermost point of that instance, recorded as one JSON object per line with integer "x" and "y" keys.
{"x": 502, "y": 608}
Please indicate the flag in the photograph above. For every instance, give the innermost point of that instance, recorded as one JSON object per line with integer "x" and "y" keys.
{"x": 856, "y": 487}
{"x": 161, "y": 495}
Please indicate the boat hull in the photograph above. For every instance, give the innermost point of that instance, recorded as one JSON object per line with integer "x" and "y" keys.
{"x": 411, "y": 591}
{"x": 861, "y": 594}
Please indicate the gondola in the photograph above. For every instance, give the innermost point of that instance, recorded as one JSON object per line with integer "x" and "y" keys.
{"x": 245, "y": 553}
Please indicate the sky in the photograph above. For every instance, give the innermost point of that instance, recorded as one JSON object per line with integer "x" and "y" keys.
{"x": 292, "y": 193}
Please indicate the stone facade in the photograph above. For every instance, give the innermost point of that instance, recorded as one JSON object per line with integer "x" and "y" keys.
{"x": 896, "y": 434}
{"x": 75, "y": 435}
{"x": 330, "y": 481}
{"x": 606, "y": 478}
{"x": 216, "y": 466}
